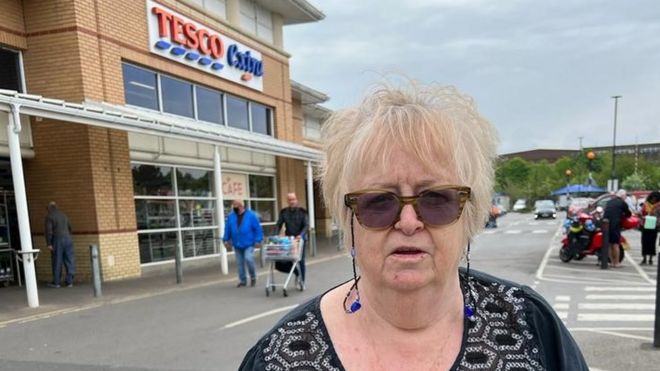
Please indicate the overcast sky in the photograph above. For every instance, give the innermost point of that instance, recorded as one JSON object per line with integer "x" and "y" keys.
{"x": 542, "y": 71}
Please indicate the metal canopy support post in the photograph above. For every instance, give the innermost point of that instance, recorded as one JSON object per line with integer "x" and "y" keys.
{"x": 310, "y": 208}
{"x": 219, "y": 208}
{"x": 13, "y": 129}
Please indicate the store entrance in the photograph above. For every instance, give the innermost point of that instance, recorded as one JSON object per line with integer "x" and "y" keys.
{"x": 9, "y": 241}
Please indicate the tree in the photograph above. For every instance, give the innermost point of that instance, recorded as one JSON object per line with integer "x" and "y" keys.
{"x": 635, "y": 182}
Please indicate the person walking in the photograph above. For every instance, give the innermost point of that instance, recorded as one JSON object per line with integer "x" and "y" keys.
{"x": 242, "y": 232}
{"x": 60, "y": 244}
{"x": 650, "y": 209}
{"x": 615, "y": 210}
{"x": 295, "y": 222}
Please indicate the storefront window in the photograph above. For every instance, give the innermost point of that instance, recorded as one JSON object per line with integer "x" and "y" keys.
{"x": 197, "y": 213}
{"x": 194, "y": 182}
{"x": 177, "y": 96}
{"x": 149, "y": 180}
{"x": 158, "y": 206}
{"x": 237, "y": 113}
{"x": 261, "y": 186}
{"x": 156, "y": 247}
{"x": 209, "y": 105}
{"x": 155, "y": 214}
{"x": 260, "y": 118}
{"x": 140, "y": 87}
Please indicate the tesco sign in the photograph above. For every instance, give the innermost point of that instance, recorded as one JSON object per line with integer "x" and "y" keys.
{"x": 181, "y": 39}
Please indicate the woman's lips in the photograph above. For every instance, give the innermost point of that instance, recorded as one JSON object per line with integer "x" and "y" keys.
{"x": 407, "y": 251}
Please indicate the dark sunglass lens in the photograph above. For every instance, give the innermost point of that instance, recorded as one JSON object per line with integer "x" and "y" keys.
{"x": 439, "y": 207}
{"x": 377, "y": 210}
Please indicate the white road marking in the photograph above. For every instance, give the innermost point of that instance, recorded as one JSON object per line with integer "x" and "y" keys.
{"x": 640, "y": 270}
{"x": 562, "y": 315}
{"x": 636, "y": 337}
{"x": 619, "y": 288}
{"x": 573, "y": 279}
{"x": 612, "y": 317}
{"x": 623, "y": 306}
{"x": 546, "y": 257}
{"x": 611, "y": 329}
{"x": 539, "y": 231}
{"x": 258, "y": 316}
{"x": 560, "y": 306}
{"x": 533, "y": 223}
{"x": 513, "y": 231}
{"x": 619, "y": 297}
{"x": 489, "y": 232}
{"x": 562, "y": 298}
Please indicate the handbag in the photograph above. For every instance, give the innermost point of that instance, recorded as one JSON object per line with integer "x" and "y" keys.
{"x": 650, "y": 222}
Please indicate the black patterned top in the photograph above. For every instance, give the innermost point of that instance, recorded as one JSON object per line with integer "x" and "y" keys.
{"x": 513, "y": 329}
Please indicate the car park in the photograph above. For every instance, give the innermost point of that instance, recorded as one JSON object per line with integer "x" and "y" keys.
{"x": 545, "y": 209}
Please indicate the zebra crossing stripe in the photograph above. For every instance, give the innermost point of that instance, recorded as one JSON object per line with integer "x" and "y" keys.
{"x": 620, "y": 297}
{"x": 560, "y": 306}
{"x": 513, "y": 231}
{"x": 619, "y": 288}
{"x": 562, "y": 315}
{"x": 623, "y": 306}
{"x": 539, "y": 231}
{"x": 562, "y": 298}
{"x": 610, "y": 317}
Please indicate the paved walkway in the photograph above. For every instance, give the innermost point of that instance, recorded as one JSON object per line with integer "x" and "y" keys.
{"x": 13, "y": 299}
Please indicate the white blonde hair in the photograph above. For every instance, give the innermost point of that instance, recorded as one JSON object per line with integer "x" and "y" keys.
{"x": 436, "y": 124}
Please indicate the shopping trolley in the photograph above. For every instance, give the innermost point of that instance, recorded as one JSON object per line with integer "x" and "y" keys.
{"x": 283, "y": 252}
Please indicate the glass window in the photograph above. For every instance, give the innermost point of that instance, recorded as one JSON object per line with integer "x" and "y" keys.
{"x": 261, "y": 186}
{"x": 197, "y": 213}
{"x": 199, "y": 242}
{"x": 265, "y": 210}
{"x": 237, "y": 112}
{"x": 194, "y": 182}
{"x": 149, "y": 180}
{"x": 209, "y": 105}
{"x": 216, "y": 7}
{"x": 140, "y": 87}
{"x": 260, "y": 118}
{"x": 155, "y": 214}
{"x": 10, "y": 73}
{"x": 177, "y": 96}
{"x": 157, "y": 246}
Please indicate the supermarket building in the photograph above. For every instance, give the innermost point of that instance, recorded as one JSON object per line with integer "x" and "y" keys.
{"x": 140, "y": 117}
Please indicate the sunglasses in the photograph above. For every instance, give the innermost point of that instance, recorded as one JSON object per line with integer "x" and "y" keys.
{"x": 381, "y": 209}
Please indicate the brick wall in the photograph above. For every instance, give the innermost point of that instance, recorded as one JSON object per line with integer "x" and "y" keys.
{"x": 12, "y": 27}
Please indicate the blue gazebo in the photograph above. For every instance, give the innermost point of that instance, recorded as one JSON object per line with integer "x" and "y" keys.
{"x": 579, "y": 188}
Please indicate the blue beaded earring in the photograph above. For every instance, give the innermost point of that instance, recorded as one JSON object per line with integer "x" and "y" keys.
{"x": 469, "y": 309}
{"x": 356, "y": 305}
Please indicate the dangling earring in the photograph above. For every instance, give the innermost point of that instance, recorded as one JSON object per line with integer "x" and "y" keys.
{"x": 356, "y": 305}
{"x": 469, "y": 309}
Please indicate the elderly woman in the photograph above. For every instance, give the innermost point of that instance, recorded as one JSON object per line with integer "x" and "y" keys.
{"x": 409, "y": 175}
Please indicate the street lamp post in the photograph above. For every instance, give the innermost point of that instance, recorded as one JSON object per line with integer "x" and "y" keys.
{"x": 614, "y": 184}
{"x": 590, "y": 157}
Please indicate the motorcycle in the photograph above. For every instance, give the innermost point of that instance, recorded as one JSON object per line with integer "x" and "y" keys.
{"x": 585, "y": 237}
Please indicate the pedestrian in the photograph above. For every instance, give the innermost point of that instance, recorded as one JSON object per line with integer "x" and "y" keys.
{"x": 243, "y": 232}
{"x": 615, "y": 210}
{"x": 650, "y": 209}
{"x": 60, "y": 244}
{"x": 408, "y": 173}
{"x": 295, "y": 222}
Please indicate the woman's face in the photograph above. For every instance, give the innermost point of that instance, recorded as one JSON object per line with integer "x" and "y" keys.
{"x": 408, "y": 255}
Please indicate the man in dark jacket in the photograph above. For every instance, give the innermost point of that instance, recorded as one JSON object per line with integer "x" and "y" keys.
{"x": 615, "y": 210}
{"x": 60, "y": 244}
{"x": 295, "y": 222}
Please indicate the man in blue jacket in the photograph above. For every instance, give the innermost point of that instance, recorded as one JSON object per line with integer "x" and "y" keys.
{"x": 243, "y": 232}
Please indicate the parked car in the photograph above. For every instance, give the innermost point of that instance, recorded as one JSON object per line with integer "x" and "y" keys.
{"x": 520, "y": 205}
{"x": 544, "y": 209}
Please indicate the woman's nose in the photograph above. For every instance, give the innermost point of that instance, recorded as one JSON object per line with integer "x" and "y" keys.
{"x": 409, "y": 222}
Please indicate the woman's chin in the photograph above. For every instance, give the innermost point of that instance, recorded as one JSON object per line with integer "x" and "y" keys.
{"x": 407, "y": 280}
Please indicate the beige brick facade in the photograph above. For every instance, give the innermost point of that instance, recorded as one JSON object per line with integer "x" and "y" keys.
{"x": 73, "y": 50}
